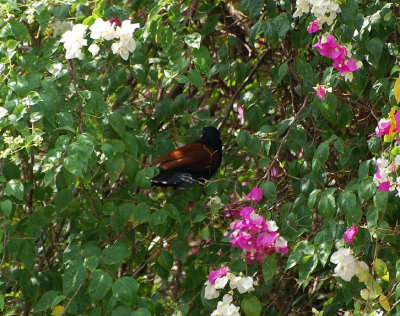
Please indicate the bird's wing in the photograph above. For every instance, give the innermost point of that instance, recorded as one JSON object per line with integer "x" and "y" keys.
{"x": 195, "y": 157}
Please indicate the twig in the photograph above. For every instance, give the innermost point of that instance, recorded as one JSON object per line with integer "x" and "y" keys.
{"x": 267, "y": 174}
{"x": 242, "y": 86}
{"x": 3, "y": 258}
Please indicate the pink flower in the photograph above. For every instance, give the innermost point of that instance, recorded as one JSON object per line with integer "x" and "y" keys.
{"x": 398, "y": 140}
{"x": 116, "y": 21}
{"x": 327, "y": 47}
{"x": 241, "y": 114}
{"x": 215, "y": 274}
{"x": 384, "y": 186}
{"x": 397, "y": 119}
{"x": 383, "y": 128}
{"x": 189, "y": 207}
{"x": 313, "y": 27}
{"x": 265, "y": 240}
{"x": 255, "y": 194}
{"x": 350, "y": 233}
{"x": 321, "y": 92}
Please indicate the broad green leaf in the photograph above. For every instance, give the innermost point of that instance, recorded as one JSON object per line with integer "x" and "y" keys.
{"x": 74, "y": 276}
{"x": 193, "y": 40}
{"x": 269, "y": 267}
{"x": 251, "y": 306}
{"x": 202, "y": 60}
{"x": 115, "y": 254}
{"x": 374, "y": 47}
{"x": 15, "y": 188}
{"x": 347, "y": 201}
{"x": 46, "y": 300}
{"x": 125, "y": 290}
{"x": 100, "y": 283}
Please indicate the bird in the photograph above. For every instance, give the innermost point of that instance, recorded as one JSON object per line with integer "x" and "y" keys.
{"x": 191, "y": 163}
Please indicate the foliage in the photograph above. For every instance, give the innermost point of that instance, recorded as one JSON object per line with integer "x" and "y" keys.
{"x": 83, "y": 232}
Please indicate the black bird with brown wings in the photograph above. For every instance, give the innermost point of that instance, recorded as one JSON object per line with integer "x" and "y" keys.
{"x": 191, "y": 163}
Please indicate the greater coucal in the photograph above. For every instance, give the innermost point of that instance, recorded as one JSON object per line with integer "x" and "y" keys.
{"x": 191, "y": 163}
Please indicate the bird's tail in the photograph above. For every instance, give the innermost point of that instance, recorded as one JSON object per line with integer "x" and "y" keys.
{"x": 177, "y": 179}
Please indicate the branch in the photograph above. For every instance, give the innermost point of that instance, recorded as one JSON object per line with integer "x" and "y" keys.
{"x": 267, "y": 174}
{"x": 239, "y": 90}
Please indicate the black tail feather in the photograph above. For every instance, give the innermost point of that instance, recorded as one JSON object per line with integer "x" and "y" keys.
{"x": 177, "y": 179}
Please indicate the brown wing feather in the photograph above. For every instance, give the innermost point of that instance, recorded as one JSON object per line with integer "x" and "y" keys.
{"x": 195, "y": 157}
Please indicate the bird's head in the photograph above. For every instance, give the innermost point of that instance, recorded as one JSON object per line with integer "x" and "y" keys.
{"x": 211, "y": 138}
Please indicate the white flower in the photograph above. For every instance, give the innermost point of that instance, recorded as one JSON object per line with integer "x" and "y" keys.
{"x": 302, "y": 6}
{"x": 74, "y": 40}
{"x": 397, "y": 160}
{"x": 226, "y": 308}
{"x": 221, "y": 282}
{"x": 245, "y": 285}
{"x": 94, "y": 49}
{"x": 210, "y": 291}
{"x": 126, "y": 44}
{"x": 280, "y": 242}
{"x": 347, "y": 265}
{"x": 272, "y": 227}
{"x": 102, "y": 29}
{"x": 348, "y": 76}
{"x": 233, "y": 280}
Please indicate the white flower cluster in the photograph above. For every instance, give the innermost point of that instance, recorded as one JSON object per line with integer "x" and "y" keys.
{"x": 384, "y": 170}
{"x": 347, "y": 264}
{"x": 242, "y": 284}
{"x": 325, "y": 11}
{"x": 226, "y": 308}
{"x": 100, "y": 30}
{"x": 74, "y": 40}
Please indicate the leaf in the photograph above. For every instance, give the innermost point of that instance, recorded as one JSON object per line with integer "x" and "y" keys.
{"x": 347, "y": 201}
{"x": 269, "y": 191}
{"x": 384, "y": 302}
{"x": 195, "y": 78}
{"x": 58, "y": 310}
{"x": 166, "y": 260}
{"x": 283, "y": 68}
{"x": 45, "y": 301}
{"x": 100, "y": 283}
{"x": 73, "y": 277}
{"x": 307, "y": 266}
{"x": 210, "y": 25}
{"x": 251, "y": 306}
{"x": 115, "y": 254}
{"x": 19, "y": 30}
{"x": 6, "y": 207}
{"x": 327, "y": 206}
{"x": 193, "y": 40}
{"x": 15, "y": 188}
{"x": 374, "y": 47}
{"x": 381, "y": 269}
{"x": 125, "y": 290}
{"x": 396, "y": 90}
{"x": 255, "y": 7}
{"x": 269, "y": 267}
{"x": 202, "y": 60}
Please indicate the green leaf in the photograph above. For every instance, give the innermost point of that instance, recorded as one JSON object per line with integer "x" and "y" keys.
{"x": 143, "y": 177}
{"x": 381, "y": 268}
{"x": 255, "y": 7}
{"x": 44, "y": 18}
{"x": 372, "y": 217}
{"x": 322, "y": 152}
{"x": 347, "y": 201}
{"x": 195, "y": 78}
{"x": 374, "y": 47}
{"x": 327, "y": 206}
{"x": 141, "y": 312}
{"x": 46, "y": 300}
{"x": 166, "y": 260}
{"x": 193, "y": 40}
{"x": 269, "y": 267}
{"x": 283, "y": 69}
{"x": 125, "y": 290}
{"x": 269, "y": 191}
{"x": 366, "y": 189}
{"x": 100, "y": 283}
{"x": 62, "y": 200}
{"x": 73, "y": 277}
{"x": 349, "y": 11}
{"x": 164, "y": 108}
{"x": 202, "y": 60}
{"x": 307, "y": 266}
{"x": 380, "y": 200}
{"x": 15, "y": 188}
{"x": 115, "y": 254}
{"x": 282, "y": 24}
{"x": 6, "y": 207}
{"x": 19, "y": 30}
{"x": 251, "y": 306}
{"x": 210, "y": 25}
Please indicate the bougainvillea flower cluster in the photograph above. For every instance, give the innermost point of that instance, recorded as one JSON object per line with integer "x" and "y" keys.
{"x": 321, "y": 90}
{"x": 217, "y": 280}
{"x": 329, "y": 47}
{"x": 325, "y": 11}
{"x": 256, "y": 236}
{"x": 350, "y": 233}
{"x": 346, "y": 264}
{"x": 100, "y": 30}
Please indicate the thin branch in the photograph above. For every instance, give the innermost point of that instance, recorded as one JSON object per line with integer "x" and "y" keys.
{"x": 267, "y": 174}
{"x": 242, "y": 86}
{"x": 3, "y": 259}
{"x": 73, "y": 79}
